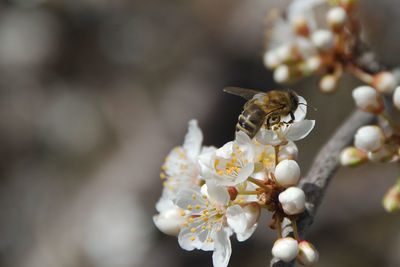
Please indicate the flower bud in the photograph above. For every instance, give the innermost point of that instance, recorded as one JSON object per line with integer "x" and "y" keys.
{"x": 384, "y": 82}
{"x": 271, "y": 59}
{"x": 323, "y": 40}
{"x": 293, "y": 200}
{"x": 336, "y": 18}
{"x": 287, "y": 173}
{"x": 396, "y": 97}
{"x": 308, "y": 255}
{"x": 368, "y": 99}
{"x": 169, "y": 221}
{"x": 313, "y": 64}
{"x": 328, "y": 83}
{"x": 282, "y": 74}
{"x": 391, "y": 200}
{"x": 301, "y": 26}
{"x": 384, "y": 154}
{"x": 351, "y": 156}
{"x": 285, "y": 249}
{"x": 369, "y": 138}
{"x": 232, "y": 192}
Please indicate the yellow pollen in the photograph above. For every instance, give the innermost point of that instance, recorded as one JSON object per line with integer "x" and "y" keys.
{"x": 245, "y": 160}
{"x": 220, "y": 172}
{"x": 205, "y": 211}
{"x": 170, "y": 179}
{"x": 193, "y": 230}
{"x": 206, "y": 204}
{"x": 186, "y": 224}
{"x": 219, "y": 229}
{"x": 191, "y": 220}
{"x": 183, "y": 213}
{"x": 164, "y": 167}
{"x": 236, "y": 147}
{"x": 176, "y": 149}
{"x": 219, "y": 220}
{"x": 211, "y": 240}
{"x": 189, "y": 207}
{"x": 209, "y": 227}
{"x": 193, "y": 238}
{"x": 194, "y": 196}
{"x": 240, "y": 153}
{"x": 204, "y": 196}
{"x": 203, "y": 227}
{"x": 162, "y": 175}
{"x": 197, "y": 206}
{"x": 202, "y": 216}
{"x": 216, "y": 163}
{"x": 167, "y": 158}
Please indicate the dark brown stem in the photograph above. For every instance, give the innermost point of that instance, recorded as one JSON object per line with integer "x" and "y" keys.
{"x": 323, "y": 168}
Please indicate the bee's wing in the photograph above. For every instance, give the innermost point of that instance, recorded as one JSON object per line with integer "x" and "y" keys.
{"x": 243, "y": 92}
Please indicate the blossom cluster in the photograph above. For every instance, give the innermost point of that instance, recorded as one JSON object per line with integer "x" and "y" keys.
{"x": 376, "y": 143}
{"x": 211, "y": 193}
{"x": 299, "y": 46}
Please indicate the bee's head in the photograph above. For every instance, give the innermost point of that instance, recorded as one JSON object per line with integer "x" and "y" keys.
{"x": 294, "y": 99}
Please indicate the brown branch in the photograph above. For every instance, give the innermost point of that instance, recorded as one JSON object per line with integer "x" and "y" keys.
{"x": 322, "y": 170}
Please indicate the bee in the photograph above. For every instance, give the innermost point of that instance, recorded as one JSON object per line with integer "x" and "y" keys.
{"x": 263, "y": 108}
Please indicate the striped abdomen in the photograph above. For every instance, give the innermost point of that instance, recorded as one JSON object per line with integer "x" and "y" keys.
{"x": 251, "y": 120}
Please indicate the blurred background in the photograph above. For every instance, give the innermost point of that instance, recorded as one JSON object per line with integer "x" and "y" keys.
{"x": 95, "y": 93}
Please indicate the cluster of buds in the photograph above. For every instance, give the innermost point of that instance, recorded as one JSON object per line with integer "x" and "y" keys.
{"x": 308, "y": 49}
{"x": 212, "y": 193}
{"x": 375, "y": 143}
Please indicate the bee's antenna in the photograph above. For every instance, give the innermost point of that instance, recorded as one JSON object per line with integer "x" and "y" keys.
{"x": 314, "y": 108}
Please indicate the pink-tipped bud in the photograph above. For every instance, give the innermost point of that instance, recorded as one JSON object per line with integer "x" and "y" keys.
{"x": 308, "y": 255}
{"x": 385, "y": 154}
{"x": 169, "y": 221}
{"x": 385, "y": 82}
{"x": 336, "y": 18}
{"x": 323, "y": 40}
{"x": 232, "y": 192}
{"x": 369, "y": 138}
{"x": 293, "y": 200}
{"x": 396, "y": 97}
{"x": 368, "y": 99}
{"x": 285, "y": 249}
{"x": 391, "y": 200}
{"x": 301, "y": 26}
{"x": 328, "y": 83}
{"x": 351, "y": 156}
{"x": 287, "y": 173}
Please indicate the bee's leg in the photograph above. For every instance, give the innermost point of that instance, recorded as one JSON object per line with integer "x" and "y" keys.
{"x": 291, "y": 117}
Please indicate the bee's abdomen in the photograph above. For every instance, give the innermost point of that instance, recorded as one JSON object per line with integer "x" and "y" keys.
{"x": 251, "y": 120}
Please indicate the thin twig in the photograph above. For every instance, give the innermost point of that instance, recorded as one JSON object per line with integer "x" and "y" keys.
{"x": 323, "y": 168}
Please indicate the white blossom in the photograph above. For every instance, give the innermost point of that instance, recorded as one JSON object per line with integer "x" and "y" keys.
{"x": 283, "y": 132}
{"x": 293, "y": 200}
{"x": 210, "y": 220}
{"x": 287, "y": 173}
{"x": 285, "y": 249}
{"x": 369, "y": 138}
{"x": 231, "y": 164}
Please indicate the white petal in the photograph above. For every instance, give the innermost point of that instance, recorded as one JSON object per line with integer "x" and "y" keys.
{"x": 193, "y": 140}
{"x": 222, "y": 249}
{"x": 218, "y": 193}
{"x": 165, "y": 202}
{"x": 244, "y": 173}
{"x": 300, "y": 129}
{"x": 225, "y": 151}
{"x": 246, "y": 234}
{"x": 242, "y": 138}
{"x": 169, "y": 221}
{"x": 267, "y": 137}
{"x": 236, "y": 219}
{"x": 301, "y": 111}
{"x": 205, "y": 164}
